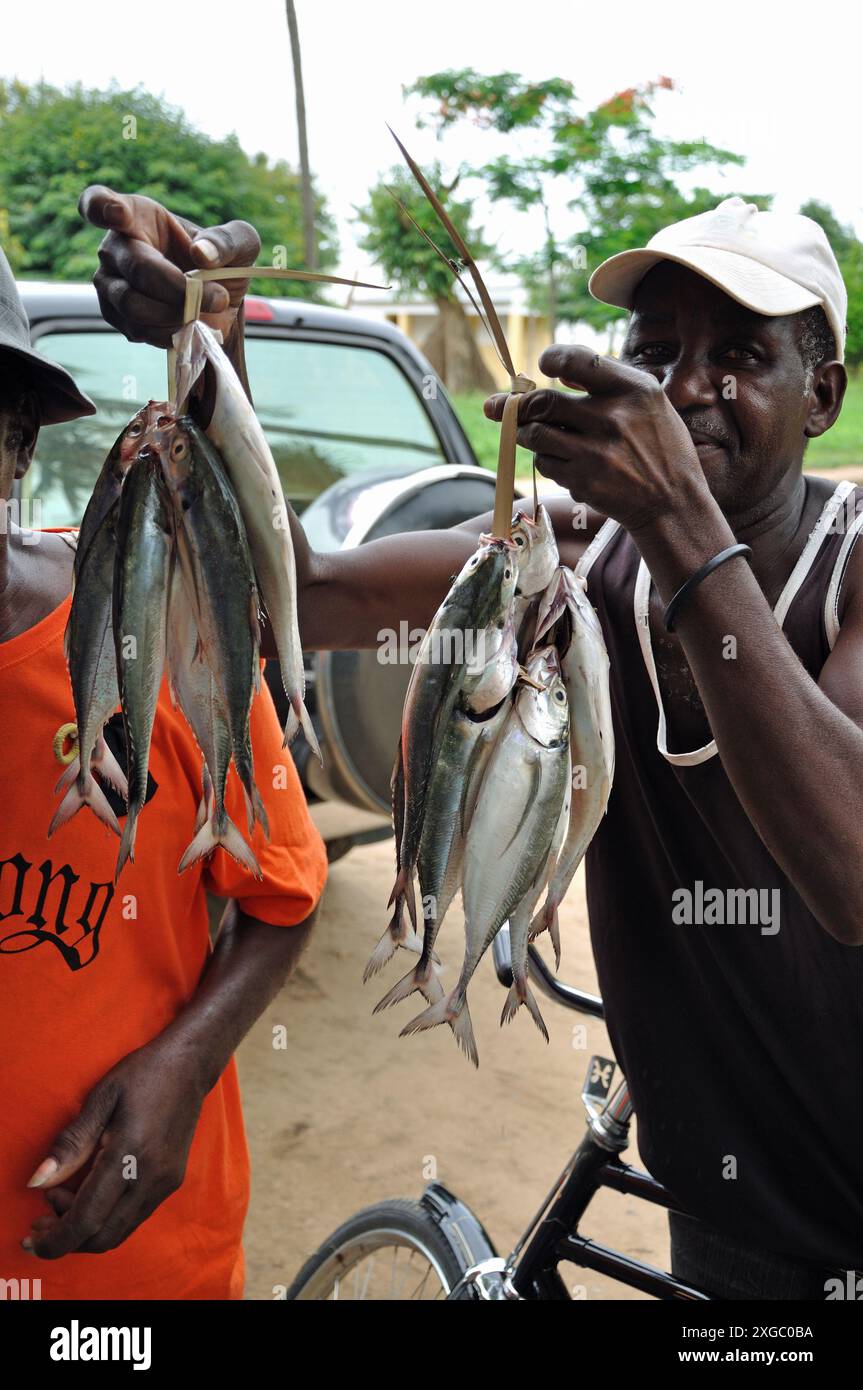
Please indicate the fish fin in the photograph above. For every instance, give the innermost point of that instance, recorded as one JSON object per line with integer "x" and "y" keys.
{"x": 403, "y": 889}
{"x": 554, "y": 933}
{"x": 426, "y": 981}
{"x": 532, "y": 793}
{"x": 398, "y": 933}
{"x": 515, "y": 998}
{"x": 444, "y": 1011}
{"x": 298, "y": 716}
{"x": 104, "y": 762}
{"x": 208, "y": 796}
{"x": 255, "y": 810}
{"x": 89, "y": 794}
{"x": 220, "y": 831}
{"x": 68, "y": 775}
{"x": 547, "y": 920}
{"x": 383, "y": 952}
{"x": 533, "y": 1010}
{"x": 127, "y": 843}
{"x": 260, "y": 811}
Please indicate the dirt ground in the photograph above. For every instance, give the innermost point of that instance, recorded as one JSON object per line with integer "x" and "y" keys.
{"x": 349, "y": 1113}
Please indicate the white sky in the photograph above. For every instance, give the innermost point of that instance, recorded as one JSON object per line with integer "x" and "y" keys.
{"x": 777, "y": 82}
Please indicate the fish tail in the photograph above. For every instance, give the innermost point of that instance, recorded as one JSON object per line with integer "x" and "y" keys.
{"x": 520, "y": 993}
{"x": 383, "y": 952}
{"x": 127, "y": 843}
{"x": 451, "y": 1009}
{"x": 547, "y": 920}
{"x": 207, "y": 796}
{"x": 398, "y": 933}
{"x": 84, "y": 791}
{"x": 423, "y": 978}
{"x": 220, "y": 830}
{"x": 298, "y": 716}
{"x": 255, "y": 810}
{"x": 104, "y": 762}
{"x": 533, "y": 1010}
{"x": 554, "y": 933}
{"x": 403, "y": 892}
{"x": 69, "y": 775}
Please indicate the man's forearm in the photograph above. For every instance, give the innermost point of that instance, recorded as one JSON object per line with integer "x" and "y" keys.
{"x": 347, "y": 597}
{"x": 250, "y": 963}
{"x": 763, "y": 707}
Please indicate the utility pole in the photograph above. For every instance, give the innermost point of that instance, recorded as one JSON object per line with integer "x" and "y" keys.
{"x": 311, "y": 250}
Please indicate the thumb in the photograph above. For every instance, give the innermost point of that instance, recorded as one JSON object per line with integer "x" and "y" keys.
{"x": 75, "y": 1144}
{"x": 232, "y": 243}
{"x": 104, "y": 208}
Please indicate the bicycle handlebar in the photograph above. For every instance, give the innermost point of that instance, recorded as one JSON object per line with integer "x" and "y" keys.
{"x": 545, "y": 979}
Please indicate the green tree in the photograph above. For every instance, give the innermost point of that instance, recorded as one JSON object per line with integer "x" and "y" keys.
{"x": 392, "y": 239}
{"x": 53, "y": 143}
{"x": 849, "y": 253}
{"x": 620, "y": 178}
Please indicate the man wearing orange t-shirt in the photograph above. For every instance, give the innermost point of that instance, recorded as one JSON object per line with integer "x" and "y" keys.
{"x": 123, "y": 1164}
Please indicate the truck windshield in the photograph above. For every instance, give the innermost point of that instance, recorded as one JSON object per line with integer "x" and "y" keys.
{"x": 328, "y": 409}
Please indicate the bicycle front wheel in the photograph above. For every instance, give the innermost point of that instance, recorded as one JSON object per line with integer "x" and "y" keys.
{"x": 392, "y": 1252}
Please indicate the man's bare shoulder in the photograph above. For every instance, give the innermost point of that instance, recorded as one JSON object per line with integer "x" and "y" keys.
{"x": 48, "y": 557}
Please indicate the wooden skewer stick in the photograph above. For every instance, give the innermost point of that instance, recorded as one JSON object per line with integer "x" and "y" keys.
{"x": 504, "y": 490}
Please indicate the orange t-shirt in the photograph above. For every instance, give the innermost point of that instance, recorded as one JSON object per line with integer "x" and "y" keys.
{"x": 89, "y": 971}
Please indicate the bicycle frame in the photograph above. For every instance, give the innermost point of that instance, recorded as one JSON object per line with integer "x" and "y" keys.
{"x": 553, "y": 1236}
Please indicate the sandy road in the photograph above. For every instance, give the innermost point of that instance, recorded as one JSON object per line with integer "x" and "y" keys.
{"x": 348, "y": 1113}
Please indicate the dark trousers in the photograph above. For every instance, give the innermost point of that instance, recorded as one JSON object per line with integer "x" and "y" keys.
{"x": 719, "y": 1265}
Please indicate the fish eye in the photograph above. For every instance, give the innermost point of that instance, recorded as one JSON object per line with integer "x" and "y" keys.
{"x": 559, "y": 695}
{"x": 164, "y": 420}
{"x": 179, "y": 449}
{"x": 475, "y": 560}
{"x": 134, "y": 428}
{"x": 519, "y": 540}
{"x": 507, "y": 574}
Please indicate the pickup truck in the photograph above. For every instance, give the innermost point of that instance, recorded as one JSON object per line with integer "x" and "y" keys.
{"x": 366, "y": 444}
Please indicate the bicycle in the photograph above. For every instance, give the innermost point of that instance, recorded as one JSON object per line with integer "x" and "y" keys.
{"x": 436, "y": 1248}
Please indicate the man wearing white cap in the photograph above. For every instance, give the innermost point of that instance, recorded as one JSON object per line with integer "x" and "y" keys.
{"x": 725, "y": 899}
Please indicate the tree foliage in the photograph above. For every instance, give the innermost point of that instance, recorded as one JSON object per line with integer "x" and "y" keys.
{"x": 394, "y": 243}
{"x": 53, "y": 143}
{"x": 848, "y": 250}
{"x": 621, "y": 179}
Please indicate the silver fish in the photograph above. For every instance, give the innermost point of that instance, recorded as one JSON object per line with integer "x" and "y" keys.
{"x": 140, "y": 603}
{"x": 219, "y": 585}
{"x": 194, "y": 688}
{"x": 235, "y": 430}
{"x": 519, "y": 925}
{"x": 585, "y": 672}
{"x": 537, "y": 550}
{"x": 463, "y": 756}
{"x": 89, "y": 645}
{"x": 511, "y": 832}
{"x": 487, "y": 684}
{"x": 478, "y": 599}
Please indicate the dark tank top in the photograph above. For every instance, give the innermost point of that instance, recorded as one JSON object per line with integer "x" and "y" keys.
{"x": 743, "y": 1050}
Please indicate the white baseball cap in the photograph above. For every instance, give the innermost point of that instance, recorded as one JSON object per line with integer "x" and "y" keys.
{"x": 772, "y": 262}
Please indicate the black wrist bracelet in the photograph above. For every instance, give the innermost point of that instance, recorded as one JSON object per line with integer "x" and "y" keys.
{"x": 695, "y": 579}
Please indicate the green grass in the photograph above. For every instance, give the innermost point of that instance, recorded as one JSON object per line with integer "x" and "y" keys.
{"x": 483, "y": 434}
{"x": 838, "y": 448}
{"x": 843, "y": 445}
